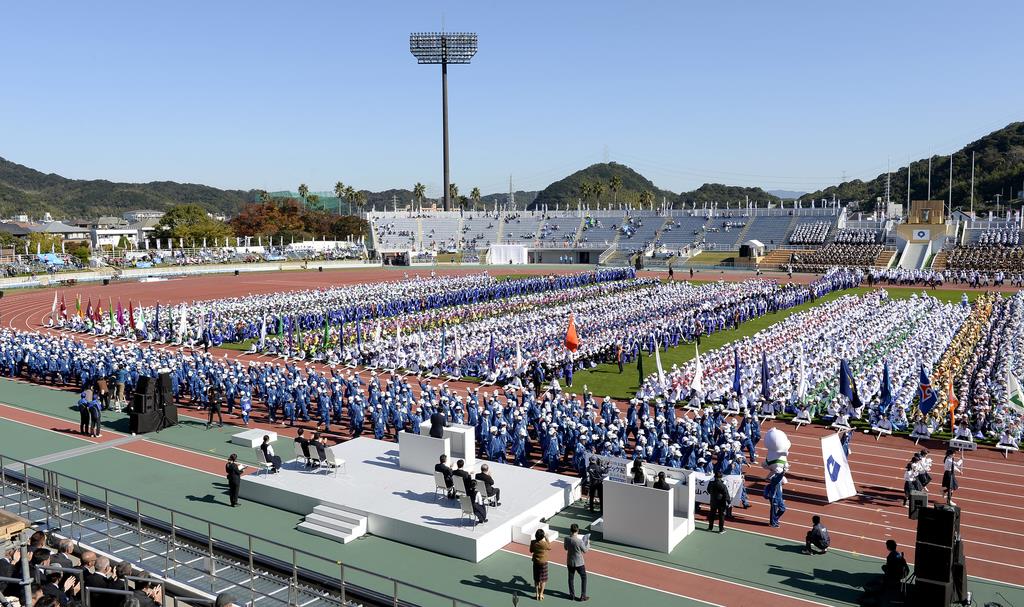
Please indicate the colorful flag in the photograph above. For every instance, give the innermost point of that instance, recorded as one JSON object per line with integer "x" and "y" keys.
{"x": 886, "y": 398}
{"x": 263, "y": 333}
{"x": 764, "y": 377}
{"x": 952, "y": 400}
{"x": 131, "y": 314}
{"x": 736, "y": 371}
{"x": 657, "y": 364}
{"x": 1014, "y": 394}
{"x": 845, "y": 380}
{"x": 327, "y": 327}
{"x": 490, "y": 354}
{"x": 88, "y": 310}
{"x": 63, "y": 308}
{"x": 926, "y": 394}
{"x": 120, "y": 313}
{"x": 78, "y": 305}
{"x": 572, "y": 339}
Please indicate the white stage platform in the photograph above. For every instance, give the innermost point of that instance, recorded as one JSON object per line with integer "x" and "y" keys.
{"x": 401, "y": 505}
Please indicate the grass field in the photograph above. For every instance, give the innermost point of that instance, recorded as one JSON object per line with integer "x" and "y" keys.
{"x": 711, "y": 258}
{"x": 605, "y": 380}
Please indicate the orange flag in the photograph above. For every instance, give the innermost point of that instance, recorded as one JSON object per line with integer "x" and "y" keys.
{"x": 953, "y": 404}
{"x": 572, "y": 340}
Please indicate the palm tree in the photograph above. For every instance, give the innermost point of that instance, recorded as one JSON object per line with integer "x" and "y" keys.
{"x": 646, "y": 197}
{"x": 474, "y": 195}
{"x": 303, "y": 192}
{"x": 419, "y": 192}
{"x": 598, "y": 190}
{"x": 313, "y": 202}
{"x": 583, "y": 191}
{"x": 453, "y": 192}
{"x": 360, "y": 198}
{"x": 615, "y": 184}
{"x": 350, "y": 196}
{"x": 339, "y": 191}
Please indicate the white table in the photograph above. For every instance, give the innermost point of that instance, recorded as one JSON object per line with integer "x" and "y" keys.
{"x": 462, "y": 438}
{"x": 252, "y": 438}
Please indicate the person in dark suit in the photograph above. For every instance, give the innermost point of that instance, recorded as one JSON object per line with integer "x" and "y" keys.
{"x": 718, "y": 496}
{"x": 215, "y": 396}
{"x": 443, "y": 468}
{"x": 234, "y": 473}
{"x": 11, "y": 557}
{"x": 101, "y": 578}
{"x": 52, "y": 586}
{"x": 40, "y": 558}
{"x": 661, "y": 483}
{"x": 438, "y": 422}
{"x": 596, "y": 471}
{"x": 303, "y": 443}
{"x": 62, "y": 558}
{"x": 268, "y": 453}
{"x": 484, "y": 476}
{"x": 479, "y": 509}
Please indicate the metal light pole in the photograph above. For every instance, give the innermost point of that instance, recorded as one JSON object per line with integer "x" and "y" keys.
{"x": 443, "y": 48}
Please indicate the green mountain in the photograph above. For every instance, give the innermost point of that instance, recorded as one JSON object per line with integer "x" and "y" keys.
{"x": 567, "y": 191}
{"x": 998, "y": 169}
{"x": 25, "y": 190}
{"x": 716, "y": 192}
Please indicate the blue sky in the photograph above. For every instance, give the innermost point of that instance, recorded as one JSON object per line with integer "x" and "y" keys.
{"x": 255, "y": 94}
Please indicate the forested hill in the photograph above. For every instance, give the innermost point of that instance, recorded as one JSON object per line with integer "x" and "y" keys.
{"x": 999, "y": 169}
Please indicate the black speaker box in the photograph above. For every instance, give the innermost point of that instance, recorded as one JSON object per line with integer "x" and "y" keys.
{"x": 143, "y": 423}
{"x": 938, "y": 525}
{"x": 918, "y": 501}
{"x": 933, "y": 563}
{"x": 143, "y": 403}
{"x": 163, "y": 382}
{"x": 170, "y": 415}
{"x": 147, "y": 385}
{"x": 932, "y": 594}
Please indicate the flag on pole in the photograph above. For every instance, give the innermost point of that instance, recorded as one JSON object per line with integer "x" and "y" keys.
{"x": 952, "y": 401}
{"x": 182, "y": 322}
{"x": 131, "y": 314}
{"x": 572, "y": 339}
{"x": 327, "y": 328}
{"x": 845, "y": 380}
{"x": 398, "y": 332}
{"x": 764, "y": 377}
{"x": 519, "y": 356}
{"x": 142, "y": 318}
{"x": 927, "y": 394}
{"x": 53, "y": 310}
{"x": 120, "y": 313}
{"x": 110, "y": 311}
{"x": 377, "y": 332}
{"x": 359, "y": 334}
{"x": 444, "y": 342}
{"x": 1014, "y": 394}
{"x": 263, "y": 333}
{"x": 63, "y": 308}
{"x": 490, "y": 354}
{"x": 736, "y": 371}
{"x": 802, "y": 383}
{"x": 156, "y": 321}
{"x": 78, "y": 305}
{"x": 697, "y": 383}
{"x": 886, "y": 397}
{"x": 657, "y": 363}
{"x": 640, "y": 364}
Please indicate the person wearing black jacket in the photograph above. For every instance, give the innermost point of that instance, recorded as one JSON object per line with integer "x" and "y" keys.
{"x": 215, "y": 396}
{"x": 234, "y": 474}
{"x": 479, "y": 509}
{"x": 11, "y": 556}
{"x": 718, "y": 496}
{"x": 446, "y": 472}
{"x": 438, "y": 422}
{"x": 484, "y": 476}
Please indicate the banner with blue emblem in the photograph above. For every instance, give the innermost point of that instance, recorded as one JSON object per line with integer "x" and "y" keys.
{"x": 838, "y": 478}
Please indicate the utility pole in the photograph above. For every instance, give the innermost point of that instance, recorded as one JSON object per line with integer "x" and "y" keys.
{"x": 929, "y": 176}
{"x": 972, "y": 183}
{"x": 950, "y": 212}
{"x": 908, "y": 185}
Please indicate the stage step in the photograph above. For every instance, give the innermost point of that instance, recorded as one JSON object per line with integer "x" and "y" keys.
{"x": 334, "y": 523}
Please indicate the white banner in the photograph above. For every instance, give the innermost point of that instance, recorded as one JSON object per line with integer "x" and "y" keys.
{"x": 618, "y": 470}
{"x": 838, "y": 479}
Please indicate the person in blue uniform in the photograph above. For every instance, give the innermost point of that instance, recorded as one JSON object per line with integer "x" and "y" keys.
{"x": 773, "y": 493}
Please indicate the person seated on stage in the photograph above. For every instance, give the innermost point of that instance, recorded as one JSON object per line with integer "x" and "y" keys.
{"x": 319, "y": 447}
{"x": 268, "y": 454}
{"x": 478, "y": 508}
{"x": 639, "y": 477}
{"x": 662, "y": 483}
{"x": 817, "y": 537}
{"x": 443, "y": 468}
{"x": 484, "y": 476}
{"x": 303, "y": 443}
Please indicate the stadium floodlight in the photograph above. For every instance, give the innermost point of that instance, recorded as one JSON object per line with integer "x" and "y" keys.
{"x": 432, "y": 48}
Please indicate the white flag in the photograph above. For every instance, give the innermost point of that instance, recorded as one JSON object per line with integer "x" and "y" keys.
{"x": 183, "y": 322}
{"x": 519, "y": 357}
{"x": 263, "y": 333}
{"x": 376, "y": 333}
{"x": 838, "y": 480}
{"x": 801, "y": 386}
{"x": 398, "y": 332}
{"x": 1015, "y": 397}
{"x": 53, "y": 310}
{"x": 657, "y": 363}
{"x": 697, "y": 383}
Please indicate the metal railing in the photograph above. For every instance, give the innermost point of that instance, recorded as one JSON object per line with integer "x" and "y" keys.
{"x": 67, "y": 499}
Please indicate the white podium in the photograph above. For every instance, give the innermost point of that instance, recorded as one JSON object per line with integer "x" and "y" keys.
{"x": 645, "y": 517}
{"x": 420, "y": 452}
{"x": 463, "y": 442}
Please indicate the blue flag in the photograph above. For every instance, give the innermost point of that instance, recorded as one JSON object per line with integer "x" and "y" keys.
{"x": 359, "y": 333}
{"x": 736, "y": 372}
{"x": 885, "y": 399}
{"x": 845, "y": 380}
{"x": 764, "y": 377}
{"x": 927, "y": 394}
{"x": 156, "y": 323}
{"x": 444, "y": 342}
{"x": 490, "y": 354}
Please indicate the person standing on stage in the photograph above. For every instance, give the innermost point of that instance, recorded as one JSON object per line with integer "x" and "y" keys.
{"x": 234, "y": 474}
{"x": 950, "y": 467}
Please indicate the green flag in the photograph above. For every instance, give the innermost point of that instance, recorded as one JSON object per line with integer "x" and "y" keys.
{"x": 1015, "y": 397}
{"x": 327, "y": 327}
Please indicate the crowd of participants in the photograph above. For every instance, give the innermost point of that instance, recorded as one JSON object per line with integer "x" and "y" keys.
{"x": 986, "y": 258}
{"x": 810, "y": 233}
{"x": 905, "y": 277}
{"x": 856, "y": 236}
{"x": 1005, "y": 236}
{"x": 836, "y": 255}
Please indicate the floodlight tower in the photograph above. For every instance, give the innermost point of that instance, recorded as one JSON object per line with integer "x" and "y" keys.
{"x": 443, "y": 48}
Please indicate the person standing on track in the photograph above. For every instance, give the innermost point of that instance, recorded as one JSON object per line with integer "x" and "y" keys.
{"x": 83, "y": 413}
{"x": 95, "y": 407}
{"x": 234, "y": 474}
{"x": 718, "y": 496}
{"x": 950, "y": 467}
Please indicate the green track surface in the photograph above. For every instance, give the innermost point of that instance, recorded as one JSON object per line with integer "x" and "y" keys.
{"x": 26, "y": 442}
{"x": 605, "y": 380}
